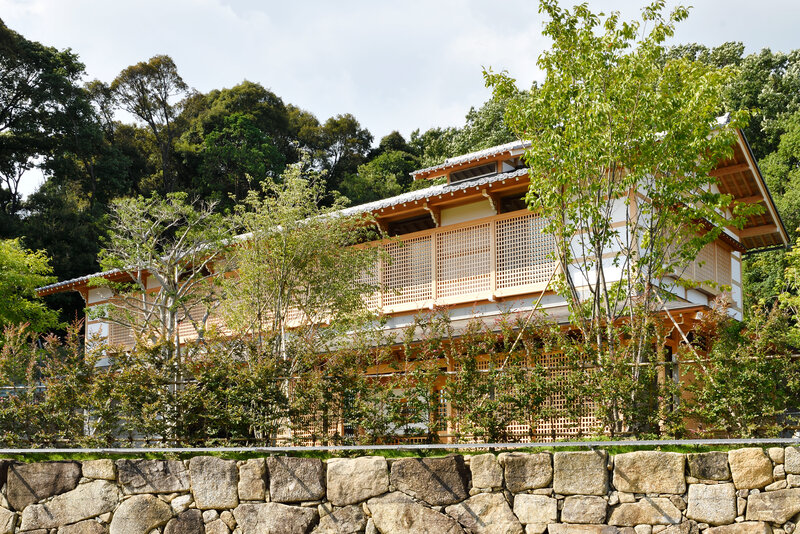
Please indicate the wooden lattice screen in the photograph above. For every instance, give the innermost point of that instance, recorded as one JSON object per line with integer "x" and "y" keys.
{"x": 407, "y": 276}
{"x": 463, "y": 261}
{"x": 572, "y": 417}
{"x": 523, "y": 252}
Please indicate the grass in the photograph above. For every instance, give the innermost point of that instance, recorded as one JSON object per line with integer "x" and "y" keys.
{"x": 389, "y": 454}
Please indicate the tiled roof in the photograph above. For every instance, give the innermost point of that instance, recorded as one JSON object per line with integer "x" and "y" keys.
{"x": 473, "y": 156}
{"x": 411, "y": 196}
{"x": 432, "y": 191}
{"x": 86, "y": 278}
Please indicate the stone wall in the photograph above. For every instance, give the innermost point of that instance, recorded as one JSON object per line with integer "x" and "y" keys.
{"x": 743, "y": 491}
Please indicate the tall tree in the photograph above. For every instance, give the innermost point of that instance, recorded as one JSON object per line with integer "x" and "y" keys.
{"x": 38, "y": 85}
{"x": 235, "y": 157}
{"x": 151, "y": 92}
{"x": 346, "y": 144}
{"x": 612, "y": 119}
{"x": 174, "y": 246}
{"x": 385, "y": 175}
{"x": 299, "y": 286}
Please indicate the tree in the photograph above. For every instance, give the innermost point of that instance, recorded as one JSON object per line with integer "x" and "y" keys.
{"x": 612, "y": 119}
{"x": 236, "y": 157}
{"x": 167, "y": 253}
{"x": 148, "y": 91}
{"x": 205, "y": 113}
{"x": 38, "y": 92}
{"x": 299, "y": 286}
{"x": 485, "y": 127}
{"x": 304, "y": 129}
{"x": 386, "y": 175}
{"x": 789, "y": 295}
{"x": 433, "y": 145}
{"x": 748, "y": 376}
{"x": 346, "y": 145}
{"x": 21, "y": 272}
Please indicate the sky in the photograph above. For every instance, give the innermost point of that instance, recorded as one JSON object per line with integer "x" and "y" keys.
{"x": 398, "y": 65}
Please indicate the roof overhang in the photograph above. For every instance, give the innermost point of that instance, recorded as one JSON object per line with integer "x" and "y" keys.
{"x": 740, "y": 177}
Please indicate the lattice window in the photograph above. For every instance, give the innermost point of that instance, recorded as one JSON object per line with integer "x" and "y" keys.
{"x": 563, "y": 426}
{"x": 119, "y": 335}
{"x": 186, "y": 326}
{"x": 463, "y": 260}
{"x": 523, "y": 251}
{"x": 441, "y": 410}
{"x": 372, "y": 277}
{"x": 407, "y": 277}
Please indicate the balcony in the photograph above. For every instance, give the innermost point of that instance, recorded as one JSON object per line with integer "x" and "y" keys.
{"x": 481, "y": 260}
{"x": 501, "y": 256}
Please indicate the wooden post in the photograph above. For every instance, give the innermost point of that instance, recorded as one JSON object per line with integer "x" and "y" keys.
{"x": 492, "y": 259}
{"x": 381, "y": 285}
{"x": 434, "y": 269}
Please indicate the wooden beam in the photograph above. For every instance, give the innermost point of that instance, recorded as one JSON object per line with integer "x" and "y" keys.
{"x": 382, "y": 225}
{"x": 436, "y": 214}
{"x": 754, "y": 231}
{"x": 730, "y": 169}
{"x": 494, "y": 200}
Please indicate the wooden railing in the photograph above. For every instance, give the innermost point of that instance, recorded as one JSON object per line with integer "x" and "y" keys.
{"x": 499, "y": 256}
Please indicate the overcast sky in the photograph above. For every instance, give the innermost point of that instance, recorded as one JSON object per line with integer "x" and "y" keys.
{"x": 397, "y": 65}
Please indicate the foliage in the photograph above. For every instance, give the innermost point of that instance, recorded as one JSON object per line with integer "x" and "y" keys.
{"x": 789, "y": 297}
{"x": 148, "y": 91}
{"x": 747, "y": 378}
{"x": 176, "y": 244}
{"x": 235, "y": 156}
{"x": 617, "y": 127}
{"x": 482, "y": 401}
{"x": 346, "y": 147}
{"x": 334, "y": 401}
{"x": 473, "y": 387}
{"x": 384, "y": 176}
{"x": 46, "y": 387}
{"x": 296, "y": 271}
{"x": 766, "y": 87}
{"x": 484, "y": 127}
{"x": 39, "y": 97}
{"x": 21, "y": 272}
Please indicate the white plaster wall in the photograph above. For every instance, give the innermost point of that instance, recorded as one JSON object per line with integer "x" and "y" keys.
{"x": 98, "y": 294}
{"x": 467, "y": 212}
{"x": 736, "y": 275}
{"x": 612, "y": 273}
{"x": 697, "y": 297}
{"x": 619, "y": 213}
{"x": 97, "y": 329}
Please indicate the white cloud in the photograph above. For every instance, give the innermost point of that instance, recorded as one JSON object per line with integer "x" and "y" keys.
{"x": 398, "y": 65}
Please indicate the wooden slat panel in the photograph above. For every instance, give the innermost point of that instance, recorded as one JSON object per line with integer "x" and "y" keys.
{"x": 523, "y": 252}
{"x": 462, "y": 261}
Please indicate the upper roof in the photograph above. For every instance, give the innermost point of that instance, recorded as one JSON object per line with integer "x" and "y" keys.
{"x": 429, "y": 192}
{"x": 514, "y": 148}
